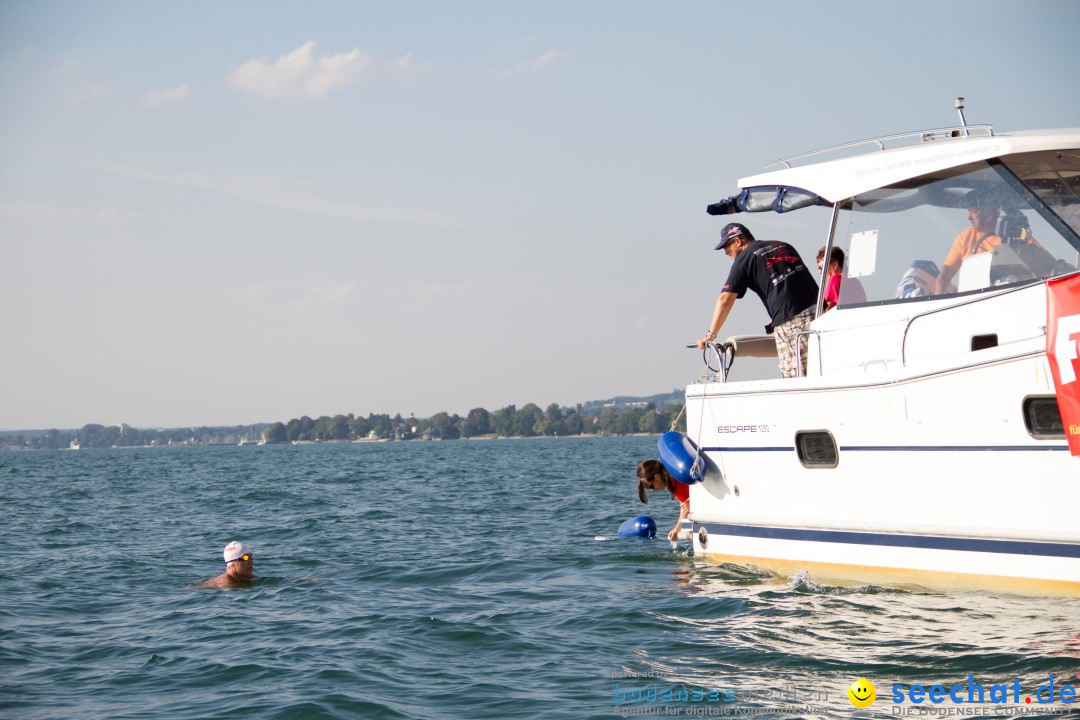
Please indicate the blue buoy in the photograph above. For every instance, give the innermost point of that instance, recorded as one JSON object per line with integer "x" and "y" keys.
{"x": 681, "y": 458}
{"x": 641, "y": 526}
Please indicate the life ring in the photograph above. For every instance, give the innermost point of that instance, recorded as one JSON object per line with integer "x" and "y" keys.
{"x": 682, "y": 458}
{"x": 641, "y": 526}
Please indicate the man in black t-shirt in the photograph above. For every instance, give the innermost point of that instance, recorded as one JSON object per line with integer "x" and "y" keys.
{"x": 774, "y": 271}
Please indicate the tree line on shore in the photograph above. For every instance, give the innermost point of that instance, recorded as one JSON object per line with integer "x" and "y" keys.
{"x": 510, "y": 421}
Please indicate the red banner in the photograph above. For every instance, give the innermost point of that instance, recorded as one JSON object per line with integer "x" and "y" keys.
{"x": 1063, "y": 352}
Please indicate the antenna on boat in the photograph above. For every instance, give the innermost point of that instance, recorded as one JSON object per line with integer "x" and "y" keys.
{"x": 960, "y": 109}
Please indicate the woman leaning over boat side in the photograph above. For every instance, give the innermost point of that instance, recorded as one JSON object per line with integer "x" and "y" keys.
{"x": 652, "y": 475}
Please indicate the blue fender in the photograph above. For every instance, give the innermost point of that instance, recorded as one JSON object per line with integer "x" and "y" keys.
{"x": 682, "y": 458}
{"x": 641, "y": 526}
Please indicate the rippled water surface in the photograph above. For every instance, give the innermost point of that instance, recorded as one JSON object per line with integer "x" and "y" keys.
{"x": 453, "y": 580}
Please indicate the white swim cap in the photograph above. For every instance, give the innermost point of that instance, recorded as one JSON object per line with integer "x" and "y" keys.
{"x": 234, "y": 550}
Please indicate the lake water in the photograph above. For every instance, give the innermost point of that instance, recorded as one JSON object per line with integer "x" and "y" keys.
{"x": 455, "y": 580}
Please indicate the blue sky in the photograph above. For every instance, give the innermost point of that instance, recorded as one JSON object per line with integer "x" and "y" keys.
{"x": 218, "y": 213}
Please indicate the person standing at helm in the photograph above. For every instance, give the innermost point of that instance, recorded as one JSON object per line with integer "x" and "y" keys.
{"x": 983, "y": 211}
{"x": 776, "y": 273}
{"x": 984, "y": 207}
{"x": 239, "y": 568}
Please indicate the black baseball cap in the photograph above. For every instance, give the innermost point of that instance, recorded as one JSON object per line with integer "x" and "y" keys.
{"x": 733, "y": 231}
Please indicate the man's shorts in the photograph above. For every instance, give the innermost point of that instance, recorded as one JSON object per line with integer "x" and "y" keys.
{"x": 790, "y": 346}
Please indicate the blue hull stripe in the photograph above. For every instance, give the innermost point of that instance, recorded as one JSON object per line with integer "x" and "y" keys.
{"x": 748, "y": 449}
{"x": 961, "y": 448}
{"x": 906, "y": 448}
{"x": 924, "y": 542}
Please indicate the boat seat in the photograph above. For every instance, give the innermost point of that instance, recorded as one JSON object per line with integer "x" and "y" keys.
{"x": 760, "y": 346}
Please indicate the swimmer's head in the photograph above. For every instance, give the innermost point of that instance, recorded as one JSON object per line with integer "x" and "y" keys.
{"x": 236, "y": 550}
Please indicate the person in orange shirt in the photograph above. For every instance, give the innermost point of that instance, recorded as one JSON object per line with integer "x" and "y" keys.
{"x": 984, "y": 207}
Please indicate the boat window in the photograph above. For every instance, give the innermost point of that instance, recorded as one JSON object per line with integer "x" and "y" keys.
{"x": 967, "y": 229}
{"x": 1055, "y": 178}
{"x": 1043, "y": 418}
{"x": 816, "y": 449}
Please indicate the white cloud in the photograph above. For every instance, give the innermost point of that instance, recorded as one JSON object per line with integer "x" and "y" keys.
{"x": 299, "y": 75}
{"x": 543, "y": 60}
{"x": 531, "y": 66}
{"x": 409, "y": 67}
{"x": 90, "y": 92}
{"x": 164, "y": 97}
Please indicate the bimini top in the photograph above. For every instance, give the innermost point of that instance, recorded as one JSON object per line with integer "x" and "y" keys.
{"x": 824, "y": 183}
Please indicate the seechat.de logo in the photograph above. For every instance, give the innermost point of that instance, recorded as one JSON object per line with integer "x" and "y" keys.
{"x": 862, "y": 693}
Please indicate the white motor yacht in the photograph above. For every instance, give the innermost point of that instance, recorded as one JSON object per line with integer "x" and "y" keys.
{"x": 928, "y": 441}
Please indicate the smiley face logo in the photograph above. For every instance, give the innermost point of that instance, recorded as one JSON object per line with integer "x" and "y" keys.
{"x": 862, "y": 693}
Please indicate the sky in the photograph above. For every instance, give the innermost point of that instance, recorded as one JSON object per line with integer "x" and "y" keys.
{"x": 218, "y": 213}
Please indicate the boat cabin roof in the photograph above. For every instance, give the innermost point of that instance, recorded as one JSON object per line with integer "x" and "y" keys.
{"x": 936, "y": 150}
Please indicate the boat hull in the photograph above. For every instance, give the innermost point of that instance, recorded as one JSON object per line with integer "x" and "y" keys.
{"x": 895, "y": 559}
{"x": 937, "y": 479}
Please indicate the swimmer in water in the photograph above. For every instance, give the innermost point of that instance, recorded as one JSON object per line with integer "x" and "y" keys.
{"x": 239, "y": 568}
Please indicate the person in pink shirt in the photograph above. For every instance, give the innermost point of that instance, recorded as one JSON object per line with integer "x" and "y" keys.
{"x": 853, "y": 289}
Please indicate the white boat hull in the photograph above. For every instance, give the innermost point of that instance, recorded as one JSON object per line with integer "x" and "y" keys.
{"x": 937, "y": 480}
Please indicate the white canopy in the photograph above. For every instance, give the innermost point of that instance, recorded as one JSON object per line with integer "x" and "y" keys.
{"x": 841, "y": 179}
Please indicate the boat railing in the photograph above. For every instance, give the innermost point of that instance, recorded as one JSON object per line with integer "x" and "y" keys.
{"x": 720, "y": 353}
{"x": 923, "y": 136}
{"x": 798, "y": 350}
{"x": 723, "y": 354}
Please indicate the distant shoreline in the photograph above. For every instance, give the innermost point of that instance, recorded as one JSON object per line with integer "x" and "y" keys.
{"x": 359, "y": 441}
{"x": 622, "y": 415}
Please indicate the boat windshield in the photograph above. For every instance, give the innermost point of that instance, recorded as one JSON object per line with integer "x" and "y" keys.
{"x": 967, "y": 229}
